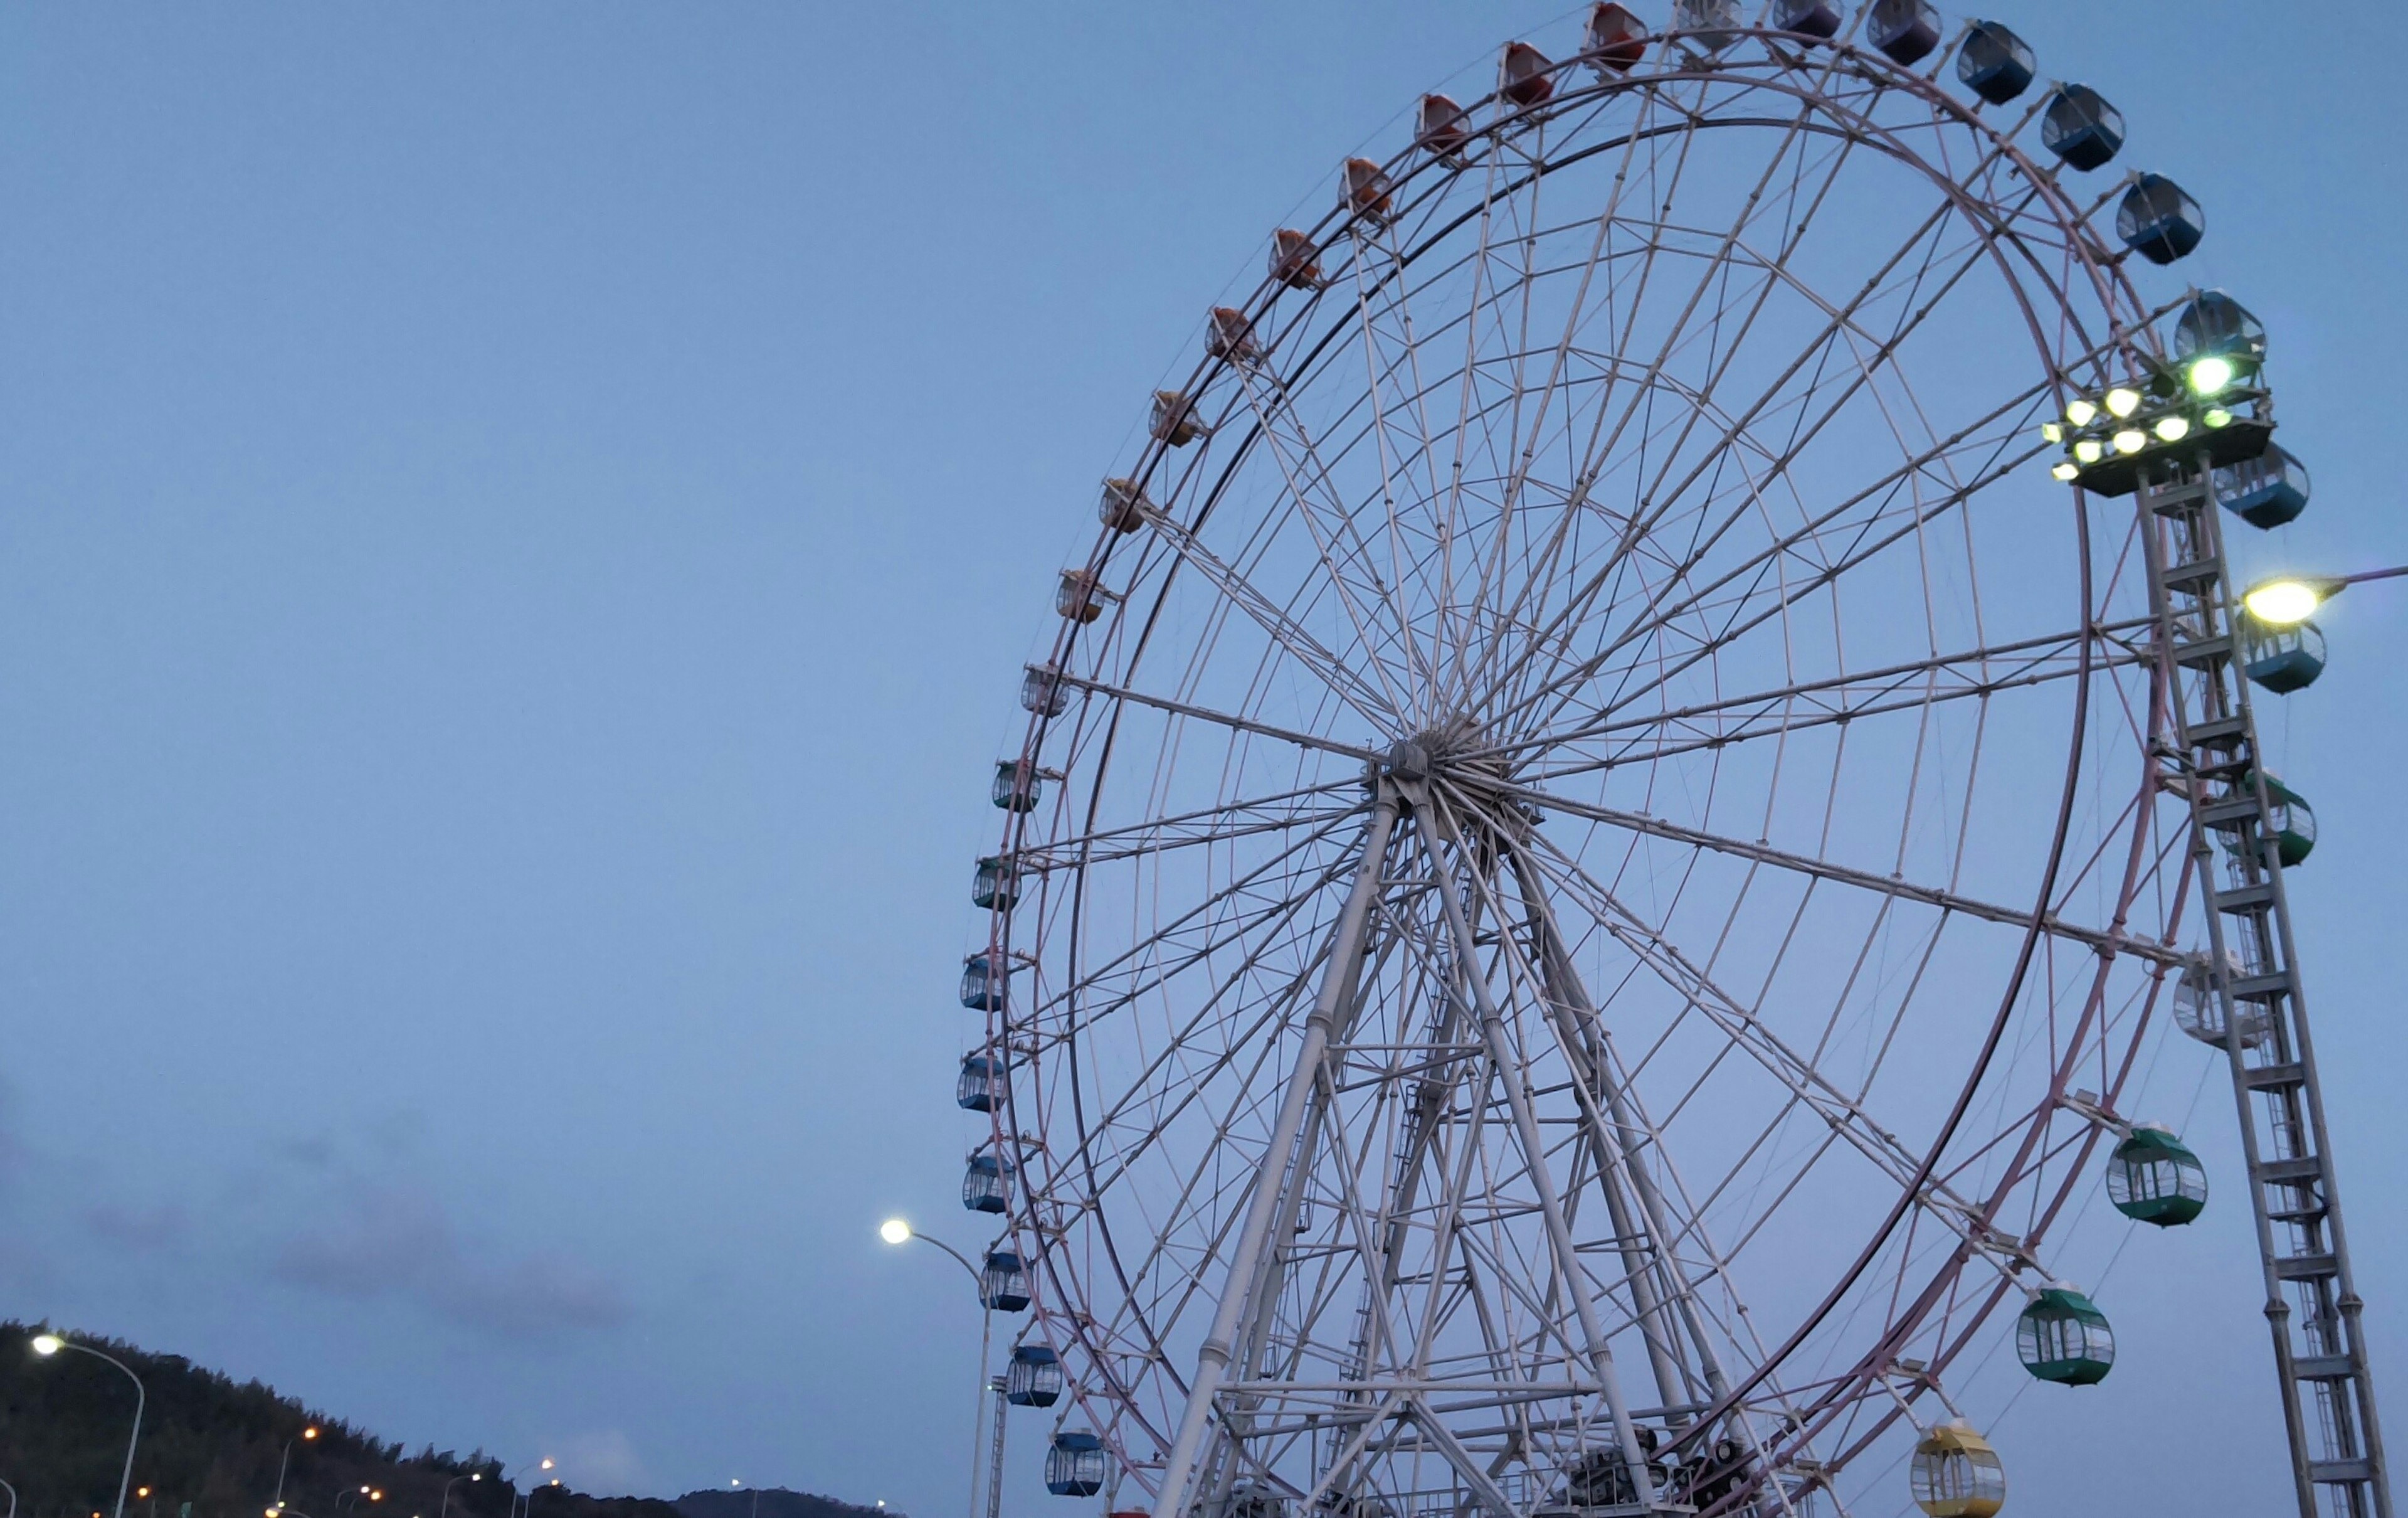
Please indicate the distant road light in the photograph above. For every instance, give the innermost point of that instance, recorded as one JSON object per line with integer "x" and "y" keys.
{"x": 894, "y": 1230}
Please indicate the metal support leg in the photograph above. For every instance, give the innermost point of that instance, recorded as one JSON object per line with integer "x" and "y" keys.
{"x": 1526, "y": 1124}
{"x": 1337, "y": 992}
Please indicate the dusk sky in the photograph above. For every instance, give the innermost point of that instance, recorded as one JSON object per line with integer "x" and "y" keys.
{"x": 519, "y": 530}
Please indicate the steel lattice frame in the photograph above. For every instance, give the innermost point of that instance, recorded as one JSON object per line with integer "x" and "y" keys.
{"x": 1519, "y": 946}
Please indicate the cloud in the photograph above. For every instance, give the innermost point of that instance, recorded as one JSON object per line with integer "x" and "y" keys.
{"x": 149, "y": 1230}
{"x": 398, "y": 1241}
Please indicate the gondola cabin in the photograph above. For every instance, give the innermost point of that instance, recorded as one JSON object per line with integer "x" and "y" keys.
{"x": 1017, "y": 785}
{"x": 2063, "y": 1337}
{"x": 1042, "y": 691}
{"x": 1229, "y": 335}
{"x": 1616, "y": 41}
{"x": 1906, "y": 31}
{"x": 1123, "y": 505}
{"x": 986, "y": 1184}
{"x": 2266, "y": 491}
{"x": 984, "y": 983}
{"x": 2282, "y": 659}
{"x": 1078, "y": 597}
{"x": 1711, "y": 24}
{"x": 2158, "y": 220}
{"x": 2154, "y": 1178}
{"x": 1956, "y": 1474}
{"x": 2198, "y": 1003}
{"x": 1994, "y": 62}
{"x": 1805, "y": 18}
{"x": 1174, "y": 420}
{"x": 2216, "y": 325}
{"x": 980, "y": 1088}
{"x": 1075, "y": 1467}
{"x": 1295, "y": 260}
{"x": 2290, "y": 821}
{"x": 1034, "y": 1378}
{"x": 2081, "y": 128}
{"x": 1443, "y": 130}
{"x": 1365, "y": 190}
{"x": 1003, "y": 1284}
{"x": 996, "y": 885}
{"x": 1526, "y": 76}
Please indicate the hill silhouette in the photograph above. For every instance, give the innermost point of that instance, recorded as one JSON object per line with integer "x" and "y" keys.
{"x": 214, "y": 1444}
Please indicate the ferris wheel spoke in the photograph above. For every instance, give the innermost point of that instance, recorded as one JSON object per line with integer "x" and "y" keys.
{"x": 1334, "y": 673}
{"x": 1840, "y": 322}
{"x": 1947, "y": 900}
{"x": 1978, "y": 673}
{"x": 1746, "y": 614}
{"x": 1293, "y": 446}
{"x": 1844, "y": 1114}
{"x": 1603, "y": 439}
{"x": 1247, "y": 817}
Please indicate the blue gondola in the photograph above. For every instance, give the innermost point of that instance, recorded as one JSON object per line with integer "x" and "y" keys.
{"x": 980, "y": 1086}
{"x": 1034, "y": 1378}
{"x": 1074, "y": 1467}
{"x": 1003, "y": 1285}
{"x": 1995, "y": 64}
{"x": 986, "y": 1185}
{"x": 2266, "y": 491}
{"x": 2081, "y": 127}
{"x": 1806, "y": 18}
{"x": 986, "y": 985}
{"x": 2158, "y": 220}
{"x": 995, "y": 885}
{"x": 1017, "y": 785}
{"x": 2281, "y": 659}
{"x": 2214, "y": 325}
{"x": 1904, "y": 30}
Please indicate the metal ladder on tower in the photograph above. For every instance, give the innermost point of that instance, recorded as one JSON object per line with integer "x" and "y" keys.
{"x": 2311, "y": 1304}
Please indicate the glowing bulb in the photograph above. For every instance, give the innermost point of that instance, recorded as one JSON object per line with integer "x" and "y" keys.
{"x": 2089, "y": 451}
{"x": 2122, "y": 402}
{"x": 2281, "y": 602}
{"x": 2132, "y": 441}
{"x": 2217, "y": 417}
{"x": 2171, "y": 429}
{"x": 2051, "y": 432}
{"x": 2065, "y": 471}
{"x": 2211, "y": 374}
{"x": 2079, "y": 412}
{"x": 895, "y": 1231}
{"x": 48, "y": 1344}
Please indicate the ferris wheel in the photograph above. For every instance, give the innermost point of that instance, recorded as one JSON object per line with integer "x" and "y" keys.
{"x": 1644, "y": 745}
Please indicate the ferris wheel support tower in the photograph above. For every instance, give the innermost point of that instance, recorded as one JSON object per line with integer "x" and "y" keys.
{"x": 2327, "y": 1392}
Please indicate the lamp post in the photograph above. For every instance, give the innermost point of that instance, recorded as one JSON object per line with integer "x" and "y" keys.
{"x": 12, "y": 1498}
{"x": 2289, "y": 600}
{"x": 285, "y": 1460}
{"x": 47, "y": 1345}
{"x": 897, "y": 1230}
{"x": 470, "y": 1476}
{"x": 511, "y": 1480}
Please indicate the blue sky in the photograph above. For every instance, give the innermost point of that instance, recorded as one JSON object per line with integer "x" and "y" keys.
{"x": 517, "y": 534}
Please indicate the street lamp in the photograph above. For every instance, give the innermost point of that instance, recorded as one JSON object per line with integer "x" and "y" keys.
{"x": 471, "y": 1476}
{"x": 285, "y": 1459}
{"x": 2289, "y": 600}
{"x": 511, "y": 1480}
{"x": 47, "y": 1345}
{"x": 897, "y": 1230}
{"x": 12, "y": 1498}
